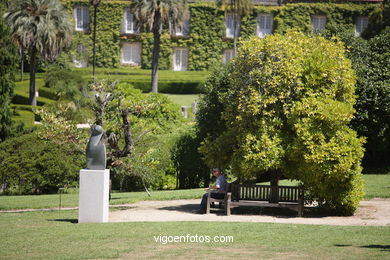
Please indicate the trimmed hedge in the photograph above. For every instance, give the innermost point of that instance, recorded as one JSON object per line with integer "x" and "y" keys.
{"x": 171, "y": 87}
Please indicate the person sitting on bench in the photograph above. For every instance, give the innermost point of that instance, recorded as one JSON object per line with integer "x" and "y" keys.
{"x": 220, "y": 185}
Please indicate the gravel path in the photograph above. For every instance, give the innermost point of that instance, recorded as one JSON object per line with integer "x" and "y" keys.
{"x": 374, "y": 212}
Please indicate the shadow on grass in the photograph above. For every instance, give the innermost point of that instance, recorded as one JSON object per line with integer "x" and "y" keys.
{"x": 70, "y": 220}
{"x": 385, "y": 248}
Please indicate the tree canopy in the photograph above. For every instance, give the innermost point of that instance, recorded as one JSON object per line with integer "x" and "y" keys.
{"x": 41, "y": 27}
{"x": 285, "y": 110}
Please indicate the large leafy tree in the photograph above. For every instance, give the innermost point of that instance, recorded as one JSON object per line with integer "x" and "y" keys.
{"x": 156, "y": 14}
{"x": 7, "y": 77}
{"x": 43, "y": 28}
{"x": 371, "y": 62}
{"x": 285, "y": 110}
{"x": 237, "y": 8}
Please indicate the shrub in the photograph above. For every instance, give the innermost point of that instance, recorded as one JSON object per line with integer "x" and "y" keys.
{"x": 34, "y": 166}
{"x": 8, "y": 62}
{"x": 287, "y": 112}
{"x": 192, "y": 171}
{"x": 68, "y": 85}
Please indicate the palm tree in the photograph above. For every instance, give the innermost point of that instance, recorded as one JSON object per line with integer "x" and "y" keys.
{"x": 41, "y": 27}
{"x": 156, "y": 14}
{"x": 237, "y": 8}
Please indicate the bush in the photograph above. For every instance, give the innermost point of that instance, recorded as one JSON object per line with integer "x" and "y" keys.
{"x": 8, "y": 62}
{"x": 373, "y": 104}
{"x": 34, "y": 166}
{"x": 192, "y": 171}
{"x": 287, "y": 112}
{"x": 68, "y": 85}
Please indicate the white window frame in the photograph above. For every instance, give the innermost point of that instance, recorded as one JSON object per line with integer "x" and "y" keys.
{"x": 129, "y": 23}
{"x": 228, "y": 54}
{"x": 266, "y": 27}
{"x": 79, "y": 61}
{"x": 229, "y": 24}
{"x": 134, "y": 58}
{"x": 81, "y": 18}
{"x": 360, "y": 25}
{"x": 183, "y": 64}
{"x": 180, "y": 30}
{"x": 318, "y": 23}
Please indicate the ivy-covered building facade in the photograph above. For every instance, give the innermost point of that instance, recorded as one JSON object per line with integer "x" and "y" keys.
{"x": 206, "y": 37}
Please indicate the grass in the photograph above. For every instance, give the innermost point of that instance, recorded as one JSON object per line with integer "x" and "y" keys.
{"x": 54, "y": 235}
{"x": 71, "y": 200}
{"x": 377, "y": 185}
{"x": 183, "y": 100}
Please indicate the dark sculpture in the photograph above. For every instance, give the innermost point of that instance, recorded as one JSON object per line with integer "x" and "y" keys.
{"x": 96, "y": 150}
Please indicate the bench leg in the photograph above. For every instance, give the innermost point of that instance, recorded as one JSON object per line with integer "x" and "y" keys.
{"x": 300, "y": 209}
{"x": 227, "y": 203}
{"x": 208, "y": 204}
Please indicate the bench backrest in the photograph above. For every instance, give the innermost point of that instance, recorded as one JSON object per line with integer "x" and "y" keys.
{"x": 263, "y": 192}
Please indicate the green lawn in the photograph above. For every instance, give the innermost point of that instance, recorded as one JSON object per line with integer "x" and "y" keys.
{"x": 377, "y": 185}
{"x": 183, "y": 100}
{"x": 55, "y": 235}
{"x": 71, "y": 200}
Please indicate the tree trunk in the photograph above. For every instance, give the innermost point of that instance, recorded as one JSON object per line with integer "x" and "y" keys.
{"x": 21, "y": 63}
{"x": 94, "y": 42}
{"x": 156, "y": 51}
{"x": 127, "y": 133}
{"x": 275, "y": 177}
{"x": 236, "y": 18}
{"x": 32, "y": 96}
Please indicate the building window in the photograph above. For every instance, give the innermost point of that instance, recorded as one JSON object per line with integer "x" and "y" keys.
{"x": 131, "y": 53}
{"x": 229, "y": 23}
{"x": 81, "y": 18}
{"x": 129, "y": 23}
{"x": 180, "y": 59}
{"x": 180, "y": 30}
{"x": 265, "y": 24}
{"x": 361, "y": 25}
{"x": 81, "y": 59}
{"x": 318, "y": 23}
{"x": 228, "y": 54}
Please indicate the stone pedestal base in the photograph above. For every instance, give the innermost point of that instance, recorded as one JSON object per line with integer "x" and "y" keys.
{"x": 93, "y": 196}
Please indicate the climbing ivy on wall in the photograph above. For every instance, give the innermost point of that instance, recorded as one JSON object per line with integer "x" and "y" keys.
{"x": 206, "y": 41}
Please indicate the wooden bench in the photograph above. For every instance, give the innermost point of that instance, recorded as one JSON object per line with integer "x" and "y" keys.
{"x": 291, "y": 197}
{"x": 223, "y": 201}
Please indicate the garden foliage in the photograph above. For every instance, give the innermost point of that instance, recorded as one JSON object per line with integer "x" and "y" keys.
{"x": 153, "y": 125}
{"x": 8, "y": 63}
{"x": 371, "y": 63}
{"x": 286, "y": 108}
{"x": 31, "y": 165}
{"x": 191, "y": 169}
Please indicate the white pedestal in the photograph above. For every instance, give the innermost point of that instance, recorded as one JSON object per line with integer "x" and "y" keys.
{"x": 93, "y": 196}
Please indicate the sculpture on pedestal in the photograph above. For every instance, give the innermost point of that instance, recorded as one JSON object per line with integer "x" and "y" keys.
{"x": 96, "y": 150}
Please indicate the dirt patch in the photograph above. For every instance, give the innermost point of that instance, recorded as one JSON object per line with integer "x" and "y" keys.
{"x": 374, "y": 212}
